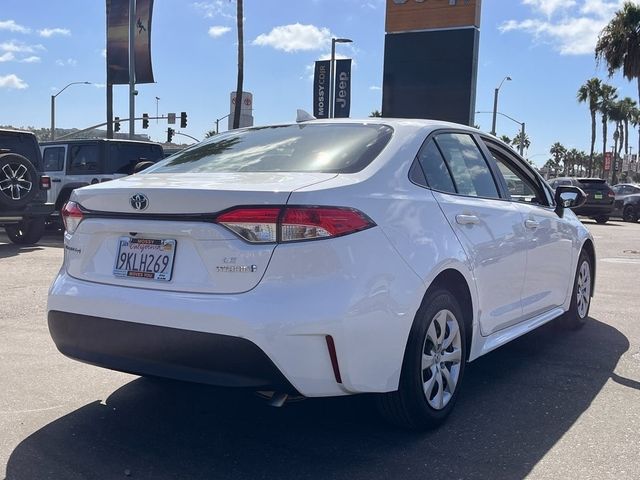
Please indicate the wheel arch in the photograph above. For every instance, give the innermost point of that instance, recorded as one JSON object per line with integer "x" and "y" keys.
{"x": 590, "y": 250}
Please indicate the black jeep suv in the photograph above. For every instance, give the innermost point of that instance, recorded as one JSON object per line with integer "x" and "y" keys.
{"x": 23, "y": 189}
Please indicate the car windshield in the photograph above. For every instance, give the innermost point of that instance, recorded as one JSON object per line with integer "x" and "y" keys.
{"x": 331, "y": 148}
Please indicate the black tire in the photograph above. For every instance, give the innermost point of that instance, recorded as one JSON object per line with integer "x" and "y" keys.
{"x": 27, "y": 232}
{"x": 602, "y": 219}
{"x": 629, "y": 214}
{"x": 18, "y": 180}
{"x": 577, "y": 315}
{"x": 409, "y": 407}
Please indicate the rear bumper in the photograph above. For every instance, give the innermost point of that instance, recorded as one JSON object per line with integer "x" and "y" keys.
{"x": 165, "y": 352}
{"x": 32, "y": 210}
{"x": 594, "y": 210}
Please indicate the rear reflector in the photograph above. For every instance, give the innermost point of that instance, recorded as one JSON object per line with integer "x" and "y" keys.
{"x": 331, "y": 346}
{"x": 71, "y": 216}
{"x": 293, "y": 223}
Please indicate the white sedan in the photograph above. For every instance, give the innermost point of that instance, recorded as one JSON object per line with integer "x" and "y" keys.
{"x": 322, "y": 258}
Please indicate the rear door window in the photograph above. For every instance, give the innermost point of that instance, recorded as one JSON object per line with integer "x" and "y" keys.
{"x": 53, "y": 158}
{"x": 84, "y": 159}
{"x": 435, "y": 169}
{"x": 469, "y": 169}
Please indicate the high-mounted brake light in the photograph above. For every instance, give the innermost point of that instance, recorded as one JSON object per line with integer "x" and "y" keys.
{"x": 71, "y": 216}
{"x": 293, "y": 223}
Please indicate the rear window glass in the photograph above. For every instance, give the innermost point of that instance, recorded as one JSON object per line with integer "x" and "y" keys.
{"x": 331, "y": 148}
{"x": 435, "y": 169}
{"x": 123, "y": 157}
{"x": 24, "y": 145}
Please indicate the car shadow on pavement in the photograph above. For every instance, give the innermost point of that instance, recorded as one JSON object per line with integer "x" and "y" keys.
{"x": 50, "y": 239}
{"x": 515, "y": 404}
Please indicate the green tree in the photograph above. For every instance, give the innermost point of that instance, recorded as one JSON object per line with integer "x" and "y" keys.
{"x": 518, "y": 138}
{"x": 629, "y": 113}
{"x": 239, "y": 85}
{"x": 607, "y": 99}
{"x": 505, "y": 139}
{"x": 558, "y": 153}
{"x": 376, "y": 113}
{"x": 590, "y": 93}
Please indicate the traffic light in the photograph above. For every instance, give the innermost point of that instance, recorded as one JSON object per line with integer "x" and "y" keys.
{"x": 145, "y": 120}
{"x": 116, "y": 124}
{"x": 183, "y": 119}
{"x": 170, "y": 132}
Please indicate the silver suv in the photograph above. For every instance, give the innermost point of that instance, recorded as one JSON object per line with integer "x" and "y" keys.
{"x": 73, "y": 164}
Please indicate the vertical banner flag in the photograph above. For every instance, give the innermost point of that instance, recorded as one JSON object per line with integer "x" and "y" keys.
{"x": 142, "y": 43}
{"x": 342, "y": 104}
{"x": 607, "y": 161}
{"x": 117, "y": 42}
{"x": 321, "y": 89}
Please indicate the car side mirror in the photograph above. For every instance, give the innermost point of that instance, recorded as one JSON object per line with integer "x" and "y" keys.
{"x": 568, "y": 196}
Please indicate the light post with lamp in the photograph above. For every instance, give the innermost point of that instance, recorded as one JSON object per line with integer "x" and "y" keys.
{"x": 495, "y": 103}
{"x": 522, "y": 129}
{"x": 332, "y": 70}
{"x": 53, "y": 107}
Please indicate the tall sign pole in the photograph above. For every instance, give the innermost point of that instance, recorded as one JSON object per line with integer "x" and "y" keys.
{"x": 132, "y": 67}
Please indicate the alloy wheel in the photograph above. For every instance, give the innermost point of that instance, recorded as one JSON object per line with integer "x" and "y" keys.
{"x": 441, "y": 357}
{"x": 15, "y": 181}
{"x": 583, "y": 294}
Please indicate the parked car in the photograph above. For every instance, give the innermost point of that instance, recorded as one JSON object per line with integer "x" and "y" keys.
{"x": 600, "y": 196}
{"x": 324, "y": 258}
{"x": 77, "y": 163}
{"x": 23, "y": 188}
{"x": 626, "y": 202}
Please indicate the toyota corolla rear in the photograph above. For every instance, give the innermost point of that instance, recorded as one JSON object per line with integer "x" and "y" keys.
{"x": 205, "y": 268}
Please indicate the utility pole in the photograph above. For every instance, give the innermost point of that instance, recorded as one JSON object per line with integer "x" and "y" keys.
{"x": 132, "y": 67}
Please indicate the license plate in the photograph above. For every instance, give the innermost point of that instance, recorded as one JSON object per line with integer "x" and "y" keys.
{"x": 597, "y": 196}
{"x": 145, "y": 258}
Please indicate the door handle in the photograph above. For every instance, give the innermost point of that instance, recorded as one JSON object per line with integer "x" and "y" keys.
{"x": 464, "y": 219}
{"x": 531, "y": 224}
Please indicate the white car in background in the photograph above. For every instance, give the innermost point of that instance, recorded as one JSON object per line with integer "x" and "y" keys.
{"x": 322, "y": 258}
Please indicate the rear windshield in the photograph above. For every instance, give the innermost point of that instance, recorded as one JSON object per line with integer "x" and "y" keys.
{"x": 331, "y": 148}
{"x": 592, "y": 181}
{"x": 123, "y": 157}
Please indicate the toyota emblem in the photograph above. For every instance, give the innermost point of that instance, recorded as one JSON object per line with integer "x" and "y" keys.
{"x": 139, "y": 201}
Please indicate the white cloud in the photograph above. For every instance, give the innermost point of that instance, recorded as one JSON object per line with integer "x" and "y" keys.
{"x": 18, "y": 47}
{"x": 31, "y": 59}
{"x": 69, "y": 62}
{"x": 12, "y": 26}
{"x": 571, "y": 27}
{"x": 375, "y": 88}
{"x": 216, "y": 8}
{"x": 218, "y": 30}
{"x": 12, "y": 81}
{"x": 549, "y": 7}
{"x": 295, "y": 37}
{"x": 50, "y": 32}
{"x": 104, "y": 53}
{"x": 99, "y": 85}
{"x": 7, "y": 57}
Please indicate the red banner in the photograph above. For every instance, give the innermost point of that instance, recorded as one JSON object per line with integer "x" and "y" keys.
{"x": 607, "y": 161}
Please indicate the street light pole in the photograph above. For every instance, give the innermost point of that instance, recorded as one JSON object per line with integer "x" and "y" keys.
{"x": 495, "y": 103}
{"x": 157, "y": 115}
{"x": 53, "y": 107}
{"x": 332, "y": 70}
{"x": 132, "y": 68}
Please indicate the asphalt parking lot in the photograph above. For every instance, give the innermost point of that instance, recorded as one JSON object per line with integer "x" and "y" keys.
{"x": 552, "y": 404}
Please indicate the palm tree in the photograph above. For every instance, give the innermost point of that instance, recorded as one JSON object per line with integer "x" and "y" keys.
{"x": 516, "y": 141}
{"x": 505, "y": 139}
{"x": 608, "y": 96}
{"x": 618, "y": 44}
{"x": 375, "y": 113}
{"x": 558, "y": 151}
{"x": 239, "y": 86}
{"x": 590, "y": 92}
{"x": 629, "y": 110}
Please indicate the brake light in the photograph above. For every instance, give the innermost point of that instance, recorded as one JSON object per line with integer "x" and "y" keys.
{"x": 293, "y": 223}
{"x": 71, "y": 216}
{"x": 611, "y": 194}
{"x": 255, "y": 225}
{"x": 45, "y": 182}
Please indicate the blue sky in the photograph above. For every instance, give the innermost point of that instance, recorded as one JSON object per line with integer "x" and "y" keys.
{"x": 546, "y": 46}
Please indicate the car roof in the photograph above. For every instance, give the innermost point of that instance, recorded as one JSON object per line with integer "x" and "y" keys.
{"x": 85, "y": 140}
{"x": 16, "y": 131}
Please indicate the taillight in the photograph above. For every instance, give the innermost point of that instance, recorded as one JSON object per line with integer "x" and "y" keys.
{"x": 293, "y": 223}
{"x": 71, "y": 216}
{"x": 256, "y": 225}
{"x": 45, "y": 182}
{"x": 611, "y": 194}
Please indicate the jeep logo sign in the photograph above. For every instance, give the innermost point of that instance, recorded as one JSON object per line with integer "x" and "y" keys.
{"x": 411, "y": 15}
{"x": 342, "y": 106}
